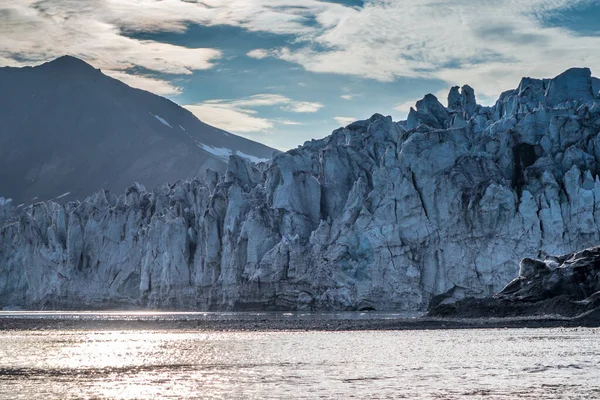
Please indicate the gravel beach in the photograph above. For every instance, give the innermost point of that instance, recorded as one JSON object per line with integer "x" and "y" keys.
{"x": 293, "y": 324}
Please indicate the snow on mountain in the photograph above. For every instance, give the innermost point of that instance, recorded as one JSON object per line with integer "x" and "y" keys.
{"x": 62, "y": 196}
{"x": 251, "y": 158}
{"x": 380, "y": 215}
{"x": 66, "y": 127}
{"x": 219, "y": 152}
{"x": 164, "y": 121}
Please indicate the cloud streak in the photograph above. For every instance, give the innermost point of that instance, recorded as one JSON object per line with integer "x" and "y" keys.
{"x": 345, "y": 121}
{"x": 241, "y": 116}
{"x": 157, "y": 86}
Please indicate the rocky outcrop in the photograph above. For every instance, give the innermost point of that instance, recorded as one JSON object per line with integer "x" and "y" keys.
{"x": 576, "y": 275}
{"x": 567, "y": 285}
{"x": 380, "y": 215}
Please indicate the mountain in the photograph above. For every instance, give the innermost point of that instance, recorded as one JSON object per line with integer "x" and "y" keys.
{"x": 380, "y": 215}
{"x": 68, "y": 130}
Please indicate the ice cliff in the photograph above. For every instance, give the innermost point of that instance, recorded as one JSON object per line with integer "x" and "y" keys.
{"x": 6, "y": 209}
{"x": 379, "y": 215}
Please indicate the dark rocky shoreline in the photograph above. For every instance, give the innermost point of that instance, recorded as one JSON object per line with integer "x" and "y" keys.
{"x": 591, "y": 319}
{"x": 496, "y": 307}
{"x": 567, "y": 286}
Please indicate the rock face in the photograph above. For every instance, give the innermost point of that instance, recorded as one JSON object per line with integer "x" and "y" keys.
{"x": 68, "y": 130}
{"x": 567, "y": 285}
{"x": 576, "y": 275}
{"x": 379, "y": 215}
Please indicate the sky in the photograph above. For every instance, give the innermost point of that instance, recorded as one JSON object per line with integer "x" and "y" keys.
{"x": 282, "y": 72}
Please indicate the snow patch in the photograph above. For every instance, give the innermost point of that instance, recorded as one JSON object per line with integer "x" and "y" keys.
{"x": 224, "y": 153}
{"x": 219, "y": 152}
{"x": 251, "y": 158}
{"x": 162, "y": 120}
{"x": 63, "y": 195}
{"x": 4, "y": 201}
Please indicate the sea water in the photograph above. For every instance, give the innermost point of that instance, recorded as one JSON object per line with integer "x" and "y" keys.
{"x": 185, "y": 364}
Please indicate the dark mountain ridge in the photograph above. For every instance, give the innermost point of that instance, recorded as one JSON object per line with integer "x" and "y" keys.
{"x": 68, "y": 128}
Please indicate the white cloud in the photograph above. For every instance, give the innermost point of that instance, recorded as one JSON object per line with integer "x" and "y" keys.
{"x": 32, "y": 32}
{"x": 288, "y": 122}
{"x": 230, "y": 118}
{"x": 344, "y": 121}
{"x": 240, "y": 116}
{"x": 257, "y": 100}
{"x": 488, "y": 44}
{"x": 269, "y": 100}
{"x": 258, "y": 54}
{"x": 347, "y": 96}
{"x": 302, "y": 107}
{"x": 153, "y": 85}
{"x": 404, "y": 108}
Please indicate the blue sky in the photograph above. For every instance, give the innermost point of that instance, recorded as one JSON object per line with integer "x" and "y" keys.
{"x": 282, "y": 72}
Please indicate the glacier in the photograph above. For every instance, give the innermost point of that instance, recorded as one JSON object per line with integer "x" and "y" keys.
{"x": 380, "y": 215}
{"x": 6, "y": 209}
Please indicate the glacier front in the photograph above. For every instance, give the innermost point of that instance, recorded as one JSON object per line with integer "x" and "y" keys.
{"x": 379, "y": 215}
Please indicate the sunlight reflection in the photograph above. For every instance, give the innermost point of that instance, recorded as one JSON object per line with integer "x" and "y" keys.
{"x": 108, "y": 349}
{"x": 258, "y": 365}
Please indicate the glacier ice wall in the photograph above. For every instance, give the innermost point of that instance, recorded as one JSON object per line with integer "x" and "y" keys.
{"x": 6, "y": 209}
{"x": 379, "y": 215}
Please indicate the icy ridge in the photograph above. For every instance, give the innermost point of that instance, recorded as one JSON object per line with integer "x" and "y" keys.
{"x": 379, "y": 215}
{"x": 6, "y": 209}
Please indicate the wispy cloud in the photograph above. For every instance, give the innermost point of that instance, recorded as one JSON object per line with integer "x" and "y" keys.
{"x": 153, "y": 85}
{"x": 241, "y": 116}
{"x": 32, "y": 32}
{"x": 269, "y": 100}
{"x": 343, "y": 121}
{"x": 302, "y": 106}
{"x": 489, "y": 44}
{"x": 404, "y": 107}
{"x": 230, "y": 118}
{"x": 259, "y": 54}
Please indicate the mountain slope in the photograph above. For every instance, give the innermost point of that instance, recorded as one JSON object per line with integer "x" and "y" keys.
{"x": 66, "y": 127}
{"x": 379, "y": 215}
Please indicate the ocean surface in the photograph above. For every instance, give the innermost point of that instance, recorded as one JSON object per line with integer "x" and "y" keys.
{"x": 184, "y": 364}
